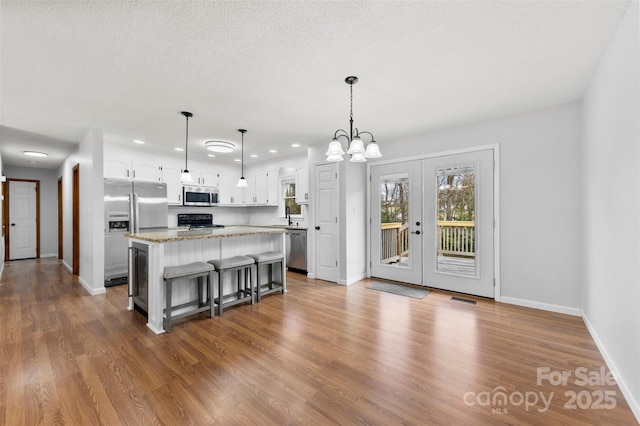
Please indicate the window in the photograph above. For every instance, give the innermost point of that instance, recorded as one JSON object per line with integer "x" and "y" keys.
{"x": 289, "y": 198}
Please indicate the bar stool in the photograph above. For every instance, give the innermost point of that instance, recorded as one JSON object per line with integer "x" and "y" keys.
{"x": 237, "y": 264}
{"x": 197, "y": 270}
{"x": 268, "y": 258}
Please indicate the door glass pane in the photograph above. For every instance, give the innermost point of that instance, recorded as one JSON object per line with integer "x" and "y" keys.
{"x": 456, "y": 215}
{"x": 394, "y": 220}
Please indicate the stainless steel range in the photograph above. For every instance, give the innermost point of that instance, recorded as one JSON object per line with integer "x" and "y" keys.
{"x": 197, "y": 220}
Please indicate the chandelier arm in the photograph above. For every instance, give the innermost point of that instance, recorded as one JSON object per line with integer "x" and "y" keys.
{"x": 344, "y": 133}
{"x": 373, "y": 139}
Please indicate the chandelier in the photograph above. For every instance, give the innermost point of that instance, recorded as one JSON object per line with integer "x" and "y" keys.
{"x": 355, "y": 146}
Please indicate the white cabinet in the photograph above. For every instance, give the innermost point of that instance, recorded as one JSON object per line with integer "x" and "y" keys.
{"x": 302, "y": 186}
{"x": 229, "y": 194}
{"x": 171, "y": 176}
{"x": 145, "y": 171}
{"x": 116, "y": 169}
{"x": 209, "y": 179}
{"x": 266, "y": 189}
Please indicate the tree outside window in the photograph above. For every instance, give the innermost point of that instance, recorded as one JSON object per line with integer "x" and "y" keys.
{"x": 289, "y": 198}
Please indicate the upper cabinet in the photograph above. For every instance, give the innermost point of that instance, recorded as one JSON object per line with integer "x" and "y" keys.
{"x": 116, "y": 169}
{"x": 261, "y": 190}
{"x": 145, "y": 171}
{"x": 302, "y": 186}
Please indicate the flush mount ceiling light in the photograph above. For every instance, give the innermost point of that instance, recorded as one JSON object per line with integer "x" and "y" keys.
{"x": 186, "y": 176}
{"x": 355, "y": 146}
{"x": 220, "y": 146}
{"x": 35, "y": 153}
{"x": 242, "y": 183}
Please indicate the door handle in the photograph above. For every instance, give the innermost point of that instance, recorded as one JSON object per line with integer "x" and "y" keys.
{"x": 417, "y": 223}
{"x": 416, "y": 232}
{"x": 317, "y": 228}
{"x": 13, "y": 224}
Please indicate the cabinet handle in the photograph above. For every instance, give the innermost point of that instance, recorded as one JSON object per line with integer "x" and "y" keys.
{"x": 134, "y": 174}
{"x": 127, "y": 172}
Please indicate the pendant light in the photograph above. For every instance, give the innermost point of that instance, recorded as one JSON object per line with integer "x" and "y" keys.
{"x": 355, "y": 146}
{"x": 186, "y": 176}
{"x": 242, "y": 183}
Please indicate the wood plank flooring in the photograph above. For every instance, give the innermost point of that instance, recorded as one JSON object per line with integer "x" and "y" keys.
{"x": 321, "y": 354}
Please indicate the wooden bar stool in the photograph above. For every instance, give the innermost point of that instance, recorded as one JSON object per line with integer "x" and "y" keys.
{"x": 197, "y": 270}
{"x": 268, "y": 258}
{"x": 242, "y": 265}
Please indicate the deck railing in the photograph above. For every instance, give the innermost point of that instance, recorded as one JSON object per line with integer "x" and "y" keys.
{"x": 394, "y": 241}
{"x": 456, "y": 238}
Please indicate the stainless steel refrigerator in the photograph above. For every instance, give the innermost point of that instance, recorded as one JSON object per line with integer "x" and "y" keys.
{"x": 129, "y": 207}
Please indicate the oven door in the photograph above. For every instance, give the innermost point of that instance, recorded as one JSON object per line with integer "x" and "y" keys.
{"x": 194, "y": 196}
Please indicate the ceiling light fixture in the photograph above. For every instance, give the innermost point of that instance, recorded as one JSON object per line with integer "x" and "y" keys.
{"x": 186, "y": 176}
{"x": 35, "y": 153}
{"x": 355, "y": 146}
{"x": 242, "y": 183}
{"x": 138, "y": 141}
{"x": 220, "y": 146}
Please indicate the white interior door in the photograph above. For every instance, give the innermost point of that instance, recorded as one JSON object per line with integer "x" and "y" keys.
{"x": 22, "y": 220}
{"x": 326, "y": 228}
{"x": 396, "y": 221}
{"x": 459, "y": 223}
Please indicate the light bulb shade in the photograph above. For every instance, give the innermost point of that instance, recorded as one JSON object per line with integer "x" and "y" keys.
{"x": 335, "y": 148}
{"x": 358, "y": 158}
{"x": 242, "y": 183}
{"x": 373, "y": 151}
{"x": 334, "y": 157}
{"x": 186, "y": 176}
{"x": 356, "y": 147}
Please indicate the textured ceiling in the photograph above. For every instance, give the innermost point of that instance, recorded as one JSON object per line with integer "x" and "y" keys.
{"x": 278, "y": 68}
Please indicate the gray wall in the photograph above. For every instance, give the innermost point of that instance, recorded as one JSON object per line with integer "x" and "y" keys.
{"x": 611, "y": 202}
{"x": 48, "y": 204}
{"x": 540, "y": 199}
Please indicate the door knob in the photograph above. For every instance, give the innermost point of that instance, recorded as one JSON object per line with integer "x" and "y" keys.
{"x": 317, "y": 228}
{"x": 417, "y": 223}
{"x": 13, "y": 224}
{"x": 416, "y": 232}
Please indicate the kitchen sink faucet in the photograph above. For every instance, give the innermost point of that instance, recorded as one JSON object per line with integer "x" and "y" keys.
{"x": 287, "y": 213}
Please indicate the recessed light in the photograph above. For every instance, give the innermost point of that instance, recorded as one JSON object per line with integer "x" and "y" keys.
{"x": 220, "y": 146}
{"x": 35, "y": 153}
{"x": 295, "y": 145}
{"x": 211, "y": 155}
{"x": 237, "y": 160}
{"x": 253, "y": 156}
{"x": 179, "y": 149}
{"x": 273, "y": 151}
{"x": 138, "y": 141}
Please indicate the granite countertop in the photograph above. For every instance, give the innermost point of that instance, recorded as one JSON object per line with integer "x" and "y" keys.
{"x": 197, "y": 234}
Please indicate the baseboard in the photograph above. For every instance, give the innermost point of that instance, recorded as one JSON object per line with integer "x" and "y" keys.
{"x": 42, "y": 256}
{"x": 353, "y": 280}
{"x": 67, "y": 267}
{"x": 543, "y": 306}
{"x": 634, "y": 404}
{"x": 90, "y": 290}
{"x": 1, "y": 268}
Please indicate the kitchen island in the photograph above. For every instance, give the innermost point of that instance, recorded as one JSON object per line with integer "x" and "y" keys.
{"x": 152, "y": 251}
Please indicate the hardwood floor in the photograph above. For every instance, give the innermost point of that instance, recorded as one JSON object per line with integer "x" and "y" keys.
{"x": 321, "y": 354}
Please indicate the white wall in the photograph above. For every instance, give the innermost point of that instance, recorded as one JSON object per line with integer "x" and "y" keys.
{"x": 89, "y": 157}
{"x": 611, "y": 205}
{"x": 48, "y": 204}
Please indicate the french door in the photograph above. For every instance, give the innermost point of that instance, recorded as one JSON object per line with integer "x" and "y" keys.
{"x": 432, "y": 222}
{"x": 458, "y": 215}
{"x": 396, "y": 228}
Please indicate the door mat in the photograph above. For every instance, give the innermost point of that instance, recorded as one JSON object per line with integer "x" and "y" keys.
{"x": 402, "y": 290}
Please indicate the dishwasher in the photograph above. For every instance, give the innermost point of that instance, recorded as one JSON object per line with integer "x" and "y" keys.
{"x": 296, "y": 250}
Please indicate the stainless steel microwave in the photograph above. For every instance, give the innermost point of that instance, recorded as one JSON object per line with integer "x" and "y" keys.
{"x": 199, "y": 196}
